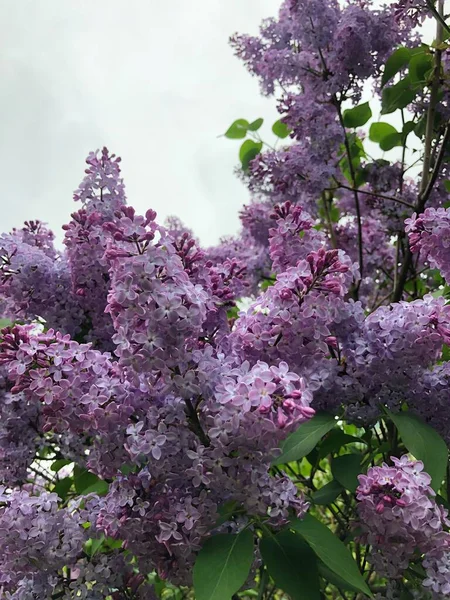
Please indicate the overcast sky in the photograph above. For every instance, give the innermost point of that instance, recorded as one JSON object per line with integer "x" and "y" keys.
{"x": 154, "y": 81}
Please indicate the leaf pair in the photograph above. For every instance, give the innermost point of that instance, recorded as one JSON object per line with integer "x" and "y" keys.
{"x": 292, "y": 558}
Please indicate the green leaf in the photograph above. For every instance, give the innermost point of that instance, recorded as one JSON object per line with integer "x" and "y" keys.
{"x": 357, "y": 116}
{"x": 331, "y": 551}
{"x": 92, "y": 546}
{"x": 447, "y": 185}
{"x": 330, "y": 577}
{"x": 59, "y": 464}
{"x": 5, "y": 323}
{"x": 419, "y": 66}
{"x": 386, "y": 135}
{"x": 424, "y": 443}
{"x": 304, "y": 439}
{"x": 335, "y": 440}
{"x": 391, "y": 141}
{"x": 222, "y": 565}
{"x": 62, "y": 487}
{"x": 357, "y": 152}
{"x": 237, "y": 130}
{"x": 292, "y": 565}
{"x": 345, "y": 470}
{"x": 443, "y": 501}
{"x": 255, "y": 125}
{"x": 419, "y": 129}
{"x": 87, "y": 483}
{"x": 328, "y": 493}
{"x": 248, "y": 151}
{"x": 280, "y": 129}
{"x": 226, "y": 511}
{"x": 397, "y": 96}
{"x": 408, "y": 127}
{"x": 379, "y": 131}
{"x": 100, "y": 487}
{"x": 397, "y": 60}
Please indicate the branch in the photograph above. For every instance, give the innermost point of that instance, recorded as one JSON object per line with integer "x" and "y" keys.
{"x": 355, "y": 194}
{"x": 429, "y": 130}
{"x": 325, "y": 199}
{"x": 437, "y": 165}
{"x": 437, "y": 15}
{"x": 376, "y": 194}
{"x": 195, "y": 425}
{"x": 425, "y": 188}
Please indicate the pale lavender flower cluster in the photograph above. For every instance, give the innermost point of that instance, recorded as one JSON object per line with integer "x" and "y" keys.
{"x": 38, "y": 538}
{"x": 318, "y": 54}
{"x": 35, "y": 284}
{"x": 293, "y": 238}
{"x": 103, "y": 193}
{"x": 160, "y": 409}
{"x": 382, "y": 359}
{"x": 429, "y": 234}
{"x": 398, "y": 515}
{"x": 270, "y": 394}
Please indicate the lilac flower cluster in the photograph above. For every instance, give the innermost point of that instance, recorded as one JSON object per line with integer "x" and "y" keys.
{"x": 385, "y": 358}
{"x": 103, "y": 193}
{"x": 35, "y": 284}
{"x": 171, "y": 407}
{"x": 37, "y": 536}
{"x": 293, "y": 238}
{"x": 429, "y": 234}
{"x": 398, "y": 516}
{"x": 319, "y": 55}
{"x": 133, "y": 362}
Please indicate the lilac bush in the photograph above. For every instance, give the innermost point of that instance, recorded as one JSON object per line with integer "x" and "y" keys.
{"x": 270, "y": 416}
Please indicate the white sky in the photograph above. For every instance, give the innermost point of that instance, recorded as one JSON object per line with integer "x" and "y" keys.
{"x": 155, "y": 81}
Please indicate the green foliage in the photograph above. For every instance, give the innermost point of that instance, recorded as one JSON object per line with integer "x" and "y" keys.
{"x": 419, "y": 129}
{"x": 280, "y": 129}
{"x": 62, "y": 487}
{"x": 331, "y": 551}
{"x": 416, "y": 58}
{"x": 222, "y": 565}
{"x": 397, "y": 96}
{"x": 255, "y": 125}
{"x": 420, "y": 69}
{"x": 304, "y": 439}
{"x": 331, "y": 577}
{"x": 237, "y": 130}
{"x": 424, "y": 443}
{"x": 335, "y": 440}
{"x": 248, "y": 151}
{"x": 385, "y": 135}
{"x": 345, "y": 470}
{"x": 357, "y": 152}
{"x": 357, "y": 116}
{"x": 92, "y": 546}
{"x": 292, "y": 565}
{"x": 397, "y": 61}
{"x": 87, "y": 483}
{"x": 327, "y": 493}
{"x": 59, "y": 464}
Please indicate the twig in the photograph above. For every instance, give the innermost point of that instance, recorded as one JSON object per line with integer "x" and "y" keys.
{"x": 355, "y": 194}
{"x": 377, "y": 195}
{"x": 437, "y": 165}
{"x": 426, "y": 179}
{"x": 438, "y": 16}
{"x": 195, "y": 424}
